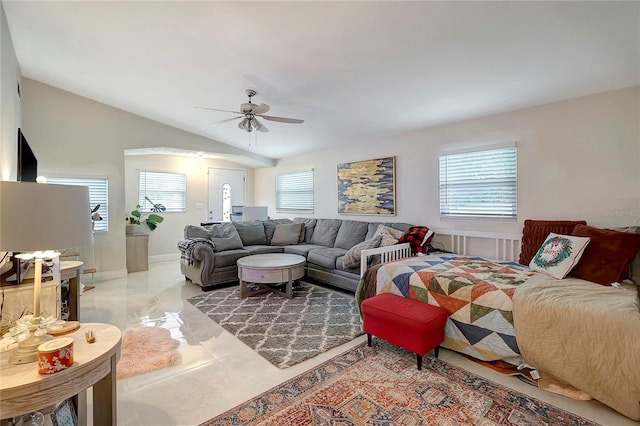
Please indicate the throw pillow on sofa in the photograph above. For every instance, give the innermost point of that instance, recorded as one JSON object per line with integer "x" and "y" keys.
{"x": 419, "y": 238}
{"x": 225, "y": 237}
{"x": 558, "y": 255}
{"x": 194, "y": 231}
{"x": 287, "y": 234}
{"x": 251, "y": 232}
{"x": 389, "y": 236}
{"x": 353, "y": 256}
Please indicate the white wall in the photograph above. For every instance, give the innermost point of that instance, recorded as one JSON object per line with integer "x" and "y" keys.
{"x": 9, "y": 103}
{"x": 75, "y": 136}
{"x": 577, "y": 159}
{"x": 162, "y": 241}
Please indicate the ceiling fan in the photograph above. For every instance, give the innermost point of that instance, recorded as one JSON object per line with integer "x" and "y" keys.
{"x": 249, "y": 113}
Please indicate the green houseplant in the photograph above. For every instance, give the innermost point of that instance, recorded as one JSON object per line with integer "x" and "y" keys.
{"x": 151, "y": 219}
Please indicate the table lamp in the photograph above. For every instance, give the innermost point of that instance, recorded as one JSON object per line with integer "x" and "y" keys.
{"x": 38, "y": 218}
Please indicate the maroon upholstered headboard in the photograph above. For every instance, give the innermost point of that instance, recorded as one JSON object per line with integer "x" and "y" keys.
{"x": 535, "y": 231}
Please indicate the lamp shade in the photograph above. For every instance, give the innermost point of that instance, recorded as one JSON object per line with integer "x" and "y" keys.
{"x": 36, "y": 216}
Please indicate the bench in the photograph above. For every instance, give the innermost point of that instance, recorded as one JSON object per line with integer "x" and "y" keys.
{"x": 411, "y": 324}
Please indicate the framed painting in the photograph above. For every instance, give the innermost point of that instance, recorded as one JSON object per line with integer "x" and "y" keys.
{"x": 367, "y": 187}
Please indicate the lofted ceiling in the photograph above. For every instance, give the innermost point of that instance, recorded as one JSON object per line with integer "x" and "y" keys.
{"x": 354, "y": 71}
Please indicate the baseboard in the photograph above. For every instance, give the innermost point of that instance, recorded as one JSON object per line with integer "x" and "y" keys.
{"x": 164, "y": 257}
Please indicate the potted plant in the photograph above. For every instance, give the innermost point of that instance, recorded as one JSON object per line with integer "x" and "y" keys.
{"x": 151, "y": 219}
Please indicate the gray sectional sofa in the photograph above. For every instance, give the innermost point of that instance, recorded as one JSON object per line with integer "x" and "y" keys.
{"x": 209, "y": 253}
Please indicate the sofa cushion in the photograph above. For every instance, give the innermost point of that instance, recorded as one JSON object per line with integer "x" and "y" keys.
{"x": 351, "y": 258}
{"x": 270, "y": 227}
{"x": 260, "y": 249}
{"x": 301, "y": 249}
{"x": 309, "y": 226}
{"x": 251, "y": 232}
{"x": 325, "y": 257}
{"x": 325, "y": 232}
{"x": 535, "y": 232}
{"x": 286, "y": 234}
{"x": 194, "y": 231}
{"x": 607, "y": 257}
{"x": 229, "y": 257}
{"x": 225, "y": 237}
{"x": 351, "y": 232}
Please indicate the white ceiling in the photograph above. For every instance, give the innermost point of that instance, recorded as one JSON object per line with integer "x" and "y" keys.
{"x": 354, "y": 71}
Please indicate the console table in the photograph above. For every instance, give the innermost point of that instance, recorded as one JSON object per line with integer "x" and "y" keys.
{"x": 71, "y": 270}
{"x": 23, "y": 390}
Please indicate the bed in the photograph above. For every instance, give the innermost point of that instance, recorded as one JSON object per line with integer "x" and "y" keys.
{"x": 585, "y": 334}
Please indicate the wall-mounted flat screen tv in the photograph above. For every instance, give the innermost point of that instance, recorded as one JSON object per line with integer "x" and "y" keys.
{"x": 27, "y": 161}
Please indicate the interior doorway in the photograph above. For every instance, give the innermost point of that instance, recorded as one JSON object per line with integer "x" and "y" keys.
{"x": 226, "y": 189}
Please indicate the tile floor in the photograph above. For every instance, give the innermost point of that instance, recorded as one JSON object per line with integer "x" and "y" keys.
{"x": 218, "y": 372}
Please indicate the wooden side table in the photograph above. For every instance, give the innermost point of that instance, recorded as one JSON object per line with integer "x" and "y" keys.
{"x": 71, "y": 270}
{"x": 23, "y": 390}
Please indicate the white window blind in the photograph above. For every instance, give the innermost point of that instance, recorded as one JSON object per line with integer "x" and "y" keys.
{"x": 479, "y": 184}
{"x": 294, "y": 192}
{"x": 168, "y": 189}
{"x": 98, "y": 194}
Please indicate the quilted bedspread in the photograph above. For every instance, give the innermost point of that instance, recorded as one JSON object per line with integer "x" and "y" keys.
{"x": 477, "y": 292}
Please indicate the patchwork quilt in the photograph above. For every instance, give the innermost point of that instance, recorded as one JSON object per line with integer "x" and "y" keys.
{"x": 476, "y": 292}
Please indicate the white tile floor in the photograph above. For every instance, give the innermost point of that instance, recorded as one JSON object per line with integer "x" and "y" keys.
{"x": 217, "y": 371}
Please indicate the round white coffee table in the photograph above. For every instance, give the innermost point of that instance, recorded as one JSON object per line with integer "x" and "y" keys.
{"x": 270, "y": 268}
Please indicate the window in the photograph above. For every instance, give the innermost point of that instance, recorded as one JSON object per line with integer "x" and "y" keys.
{"x": 479, "y": 184}
{"x": 294, "y": 192}
{"x": 168, "y": 189}
{"x": 98, "y": 194}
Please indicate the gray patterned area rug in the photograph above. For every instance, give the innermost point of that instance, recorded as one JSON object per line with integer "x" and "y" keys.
{"x": 284, "y": 331}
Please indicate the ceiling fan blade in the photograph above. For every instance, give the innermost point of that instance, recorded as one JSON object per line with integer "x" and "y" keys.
{"x": 224, "y": 121}
{"x": 222, "y": 110}
{"x": 261, "y": 109}
{"x": 261, "y": 127}
{"x": 282, "y": 119}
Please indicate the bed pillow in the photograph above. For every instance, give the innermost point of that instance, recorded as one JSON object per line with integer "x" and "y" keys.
{"x": 419, "y": 238}
{"x": 535, "y": 233}
{"x": 353, "y": 256}
{"x": 287, "y": 234}
{"x": 607, "y": 258}
{"x": 388, "y": 235}
{"x": 558, "y": 254}
{"x": 225, "y": 237}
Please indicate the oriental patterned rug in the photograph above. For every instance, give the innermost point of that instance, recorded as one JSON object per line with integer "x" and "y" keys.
{"x": 382, "y": 386}
{"x": 285, "y": 331}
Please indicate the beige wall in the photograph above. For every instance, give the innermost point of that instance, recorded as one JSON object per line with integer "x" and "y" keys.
{"x": 9, "y": 102}
{"x": 162, "y": 241}
{"x": 577, "y": 159}
{"x": 75, "y": 136}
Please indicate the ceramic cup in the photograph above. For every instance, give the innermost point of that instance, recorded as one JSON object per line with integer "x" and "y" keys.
{"x": 55, "y": 355}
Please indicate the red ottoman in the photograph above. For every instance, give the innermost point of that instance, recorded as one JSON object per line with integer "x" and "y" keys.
{"x": 413, "y": 325}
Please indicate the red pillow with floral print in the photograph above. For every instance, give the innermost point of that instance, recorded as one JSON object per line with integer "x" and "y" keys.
{"x": 419, "y": 238}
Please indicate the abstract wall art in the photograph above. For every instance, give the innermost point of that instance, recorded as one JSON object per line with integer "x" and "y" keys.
{"x": 367, "y": 187}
